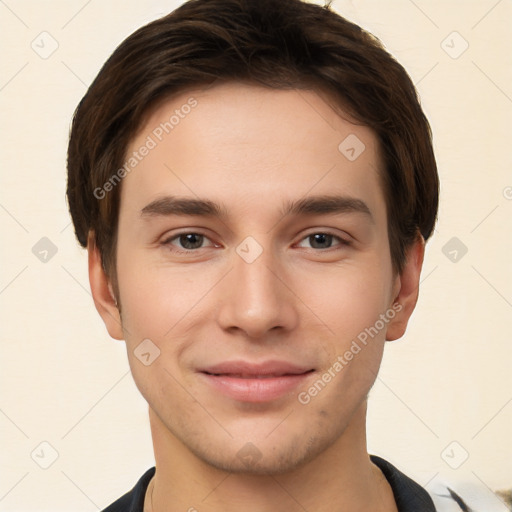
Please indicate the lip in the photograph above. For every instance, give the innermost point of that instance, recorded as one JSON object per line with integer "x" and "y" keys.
{"x": 255, "y": 382}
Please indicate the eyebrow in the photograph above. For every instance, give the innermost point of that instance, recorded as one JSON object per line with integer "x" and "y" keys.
{"x": 326, "y": 204}
{"x": 171, "y": 205}
{"x": 313, "y": 205}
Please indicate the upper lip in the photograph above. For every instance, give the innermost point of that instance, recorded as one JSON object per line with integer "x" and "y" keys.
{"x": 249, "y": 369}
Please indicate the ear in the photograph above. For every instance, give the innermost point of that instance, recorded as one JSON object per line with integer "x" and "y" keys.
{"x": 407, "y": 285}
{"x": 102, "y": 291}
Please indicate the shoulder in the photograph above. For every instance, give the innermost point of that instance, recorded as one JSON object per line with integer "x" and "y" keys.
{"x": 466, "y": 496}
{"x": 409, "y": 495}
{"x": 133, "y": 501}
{"x": 441, "y": 495}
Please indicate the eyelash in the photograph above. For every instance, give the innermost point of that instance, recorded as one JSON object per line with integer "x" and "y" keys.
{"x": 168, "y": 242}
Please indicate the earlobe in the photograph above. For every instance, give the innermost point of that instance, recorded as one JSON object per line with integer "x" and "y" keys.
{"x": 102, "y": 291}
{"x": 408, "y": 292}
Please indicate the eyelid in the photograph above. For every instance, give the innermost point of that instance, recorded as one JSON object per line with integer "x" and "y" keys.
{"x": 343, "y": 240}
{"x": 168, "y": 239}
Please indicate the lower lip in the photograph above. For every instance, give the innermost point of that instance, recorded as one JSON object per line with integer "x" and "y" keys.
{"x": 255, "y": 390}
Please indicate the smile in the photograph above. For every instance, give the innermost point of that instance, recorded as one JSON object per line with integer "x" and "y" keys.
{"x": 248, "y": 382}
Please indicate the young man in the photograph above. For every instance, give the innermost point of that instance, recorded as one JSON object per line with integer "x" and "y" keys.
{"x": 254, "y": 182}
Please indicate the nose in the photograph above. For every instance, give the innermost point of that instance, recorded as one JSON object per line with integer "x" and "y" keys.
{"x": 256, "y": 297}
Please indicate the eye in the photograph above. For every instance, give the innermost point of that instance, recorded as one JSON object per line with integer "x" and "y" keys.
{"x": 188, "y": 241}
{"x": 322, "y": 241}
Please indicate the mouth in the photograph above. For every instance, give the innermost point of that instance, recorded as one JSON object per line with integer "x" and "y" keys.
{"x": 254, "y": 376}
{"x": 249, "y": 382}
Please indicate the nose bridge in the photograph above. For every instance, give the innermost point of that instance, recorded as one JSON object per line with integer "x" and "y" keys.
{"x": 255, "y": 300}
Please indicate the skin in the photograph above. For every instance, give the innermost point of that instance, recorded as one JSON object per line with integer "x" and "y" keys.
{"x": 252, "y": 150}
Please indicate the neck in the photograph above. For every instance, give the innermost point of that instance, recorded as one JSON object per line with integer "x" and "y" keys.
{"x": 340, "y": 478}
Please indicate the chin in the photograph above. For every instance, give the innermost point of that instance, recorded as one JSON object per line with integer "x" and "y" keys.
{"x": 264, "y": 458}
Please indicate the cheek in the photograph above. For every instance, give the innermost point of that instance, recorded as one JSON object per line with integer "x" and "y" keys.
{"x": 347, "y": 300}
{"x": 156, "y": 306}
{"x": 153, "y": 299}
{"x": 353, "y": 351}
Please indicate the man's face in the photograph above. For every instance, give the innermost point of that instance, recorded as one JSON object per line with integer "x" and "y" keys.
{"x": 251, "y": 305}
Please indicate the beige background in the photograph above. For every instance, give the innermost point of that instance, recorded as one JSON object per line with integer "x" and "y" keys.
{"x": 65, "y": 382}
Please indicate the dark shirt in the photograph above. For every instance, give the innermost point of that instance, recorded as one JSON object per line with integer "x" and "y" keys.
{"x": 409, "y": 496}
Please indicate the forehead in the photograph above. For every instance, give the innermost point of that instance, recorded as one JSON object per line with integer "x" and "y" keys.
{"x": 243, "y": 144}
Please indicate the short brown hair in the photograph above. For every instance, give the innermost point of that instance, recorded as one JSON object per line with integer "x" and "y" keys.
{"x": 280, "y": 44}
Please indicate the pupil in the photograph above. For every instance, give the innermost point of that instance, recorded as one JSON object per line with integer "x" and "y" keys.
{"x": 320, "y": 240}
{"x": 191, "y": 240}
